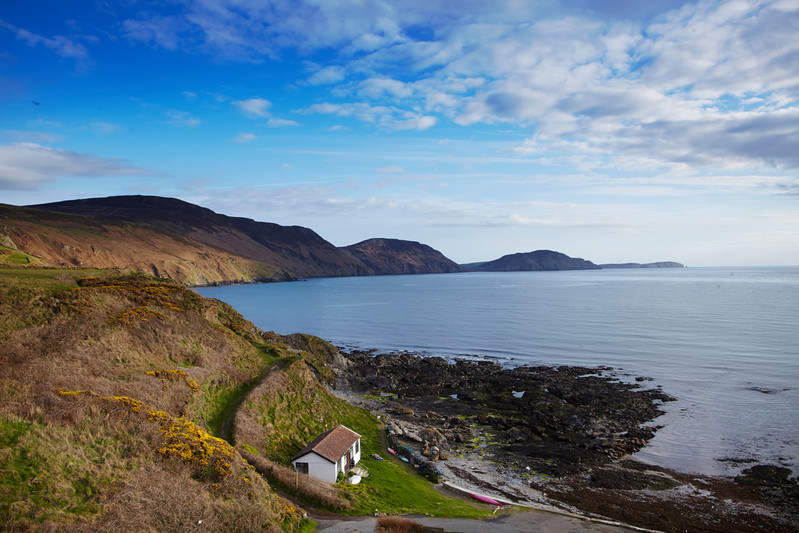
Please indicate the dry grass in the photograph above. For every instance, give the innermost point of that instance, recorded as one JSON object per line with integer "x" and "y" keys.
{"x": 397, "y": 524}
{"x": 307, "y": 488}
{"x": 94, "y": 461}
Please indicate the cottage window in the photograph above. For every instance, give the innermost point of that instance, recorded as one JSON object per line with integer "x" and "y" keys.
{"x": 357, "y": 446}
{"x": 302, "y": 468}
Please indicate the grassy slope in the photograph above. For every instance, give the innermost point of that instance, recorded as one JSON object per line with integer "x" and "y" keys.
{"x": 112, "y": 457}
{"x": 291, "y": 407}
{"x": 146, "y": 369}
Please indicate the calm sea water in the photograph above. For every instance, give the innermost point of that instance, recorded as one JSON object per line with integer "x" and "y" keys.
{"x": 723, "y": 341}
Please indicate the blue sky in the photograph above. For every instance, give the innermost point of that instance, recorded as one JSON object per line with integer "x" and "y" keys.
{"x": 609, "y": 130}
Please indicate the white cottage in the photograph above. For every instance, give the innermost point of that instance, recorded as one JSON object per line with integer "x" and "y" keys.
{"x": 334, "y": 451}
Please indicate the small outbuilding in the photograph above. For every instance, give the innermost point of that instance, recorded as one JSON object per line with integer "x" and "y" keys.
{"x": 334, "y": 451}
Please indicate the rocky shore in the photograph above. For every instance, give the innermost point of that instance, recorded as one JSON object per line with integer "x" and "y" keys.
{"x": 558, "y": 438}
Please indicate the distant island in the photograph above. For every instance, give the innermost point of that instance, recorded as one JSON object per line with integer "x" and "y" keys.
{"x": 659, "y": 264}
{"x": 542, "y": 260}
{"x": 533, "y": 261}
{"x": 195, "y": 246}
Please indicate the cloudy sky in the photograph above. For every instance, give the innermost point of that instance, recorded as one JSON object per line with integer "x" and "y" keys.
{"x": 614, "y": 130}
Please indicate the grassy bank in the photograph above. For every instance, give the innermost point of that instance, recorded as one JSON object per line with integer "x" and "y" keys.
{"x": 109, "y": 382}
{"x": 115, "y": 389}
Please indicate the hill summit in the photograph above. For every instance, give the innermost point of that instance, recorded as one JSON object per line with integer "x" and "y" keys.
{"x": 393, "y": 256}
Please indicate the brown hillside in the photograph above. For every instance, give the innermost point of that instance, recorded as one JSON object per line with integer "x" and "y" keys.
{"x": 393, "y": 256}
{"x": 292, "y": 248}
{"x": 111, "y": 392}
{"x": 61, "y": 239}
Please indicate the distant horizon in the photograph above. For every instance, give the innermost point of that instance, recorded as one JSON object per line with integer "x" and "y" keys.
{"x": 598, "y": 263}
{"x": 666, "y": 128}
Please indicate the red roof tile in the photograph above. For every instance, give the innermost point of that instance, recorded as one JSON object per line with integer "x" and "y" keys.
{"x": 332, "y": 444}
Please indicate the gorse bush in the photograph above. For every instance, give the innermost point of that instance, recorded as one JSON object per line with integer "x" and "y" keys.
{"x": 210, "y": 457}
{"x": 174, "y": 375}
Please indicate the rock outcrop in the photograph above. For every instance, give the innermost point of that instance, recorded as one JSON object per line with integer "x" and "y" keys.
{"x": 556, "y": 420}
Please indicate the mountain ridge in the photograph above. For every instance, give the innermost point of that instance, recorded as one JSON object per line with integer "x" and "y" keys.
{"x": 194, "y": 245}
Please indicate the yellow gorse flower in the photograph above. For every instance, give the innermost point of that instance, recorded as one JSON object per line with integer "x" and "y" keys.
{"x": 174, "y": 375}
{"x": 182, "y": 439}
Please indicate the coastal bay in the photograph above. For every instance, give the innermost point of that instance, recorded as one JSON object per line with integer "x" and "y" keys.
{"x": 722, "y": 341}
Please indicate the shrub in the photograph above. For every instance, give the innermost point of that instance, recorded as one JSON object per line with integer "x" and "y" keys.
{"x": 397, "y": 524}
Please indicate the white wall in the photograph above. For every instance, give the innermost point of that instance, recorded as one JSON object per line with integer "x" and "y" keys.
{"x": 356, "y": 456}
{"x": 318, "y": 467}
{"x": 321, "y": 468}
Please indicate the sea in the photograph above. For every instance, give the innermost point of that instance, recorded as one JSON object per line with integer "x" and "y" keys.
{"x": 723, "y": 341}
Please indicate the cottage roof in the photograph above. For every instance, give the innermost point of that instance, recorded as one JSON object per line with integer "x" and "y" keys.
{"x": 331, "y": 444}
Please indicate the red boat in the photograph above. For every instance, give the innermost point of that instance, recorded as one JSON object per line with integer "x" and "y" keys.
{"x": 486, "y": 499}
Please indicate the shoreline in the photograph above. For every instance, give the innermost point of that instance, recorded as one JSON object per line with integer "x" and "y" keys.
{"x": 413, "y": 395}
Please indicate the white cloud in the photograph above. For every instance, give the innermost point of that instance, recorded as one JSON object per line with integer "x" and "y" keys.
{"x": 32, "y": 136}
{"x": 281, "y": 122}
{"x": 182, "y": 118}
{"x": 604, "y": 77}
{"x": 327, "y": 75}
{"x": 244, "y": 138}
{"x": 166, "y": 32}
{"x": 67, "y": 47}
{"x": 376, "y": 88}
{"x": 254, "y": 107}
{"x": 28, "y": 165}
{"x": 390, "y": 170}
{"x": 386, "y": 117}
{"x": 103, "y": 129}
